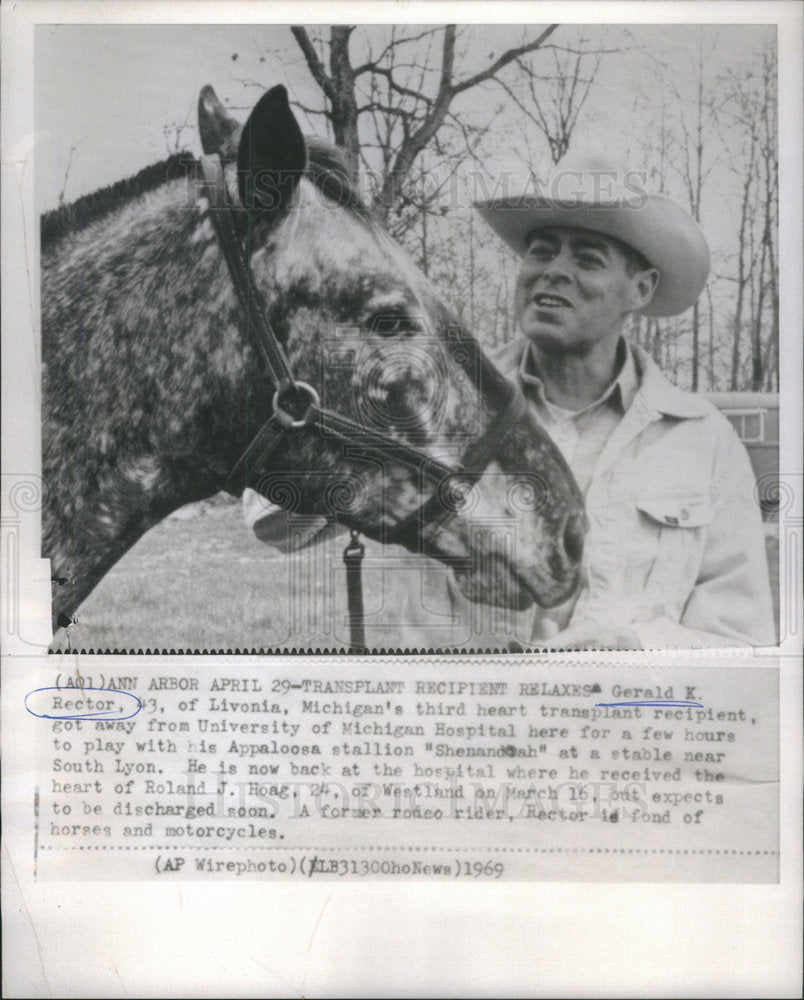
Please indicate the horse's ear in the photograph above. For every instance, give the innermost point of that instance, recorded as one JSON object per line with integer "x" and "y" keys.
{"x": 220, "y": 133}
{"x": 272, "y": 155}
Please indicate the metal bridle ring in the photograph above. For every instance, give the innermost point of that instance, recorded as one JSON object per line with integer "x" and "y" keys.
{"x": 287, "y": 419}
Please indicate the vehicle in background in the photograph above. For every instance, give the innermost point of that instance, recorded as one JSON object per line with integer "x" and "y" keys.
{"x": 755, "y": 417}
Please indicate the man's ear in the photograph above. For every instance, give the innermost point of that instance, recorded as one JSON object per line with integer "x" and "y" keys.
{"x": 643, "y": 287}
{"x": 272, "y": 154}
{"x": 220, "y": 133}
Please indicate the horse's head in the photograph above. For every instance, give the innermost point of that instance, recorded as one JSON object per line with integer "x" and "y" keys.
{"x": 364, "y": 327}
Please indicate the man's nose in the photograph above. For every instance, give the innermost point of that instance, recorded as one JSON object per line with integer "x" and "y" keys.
{"x": 557, "y": 269}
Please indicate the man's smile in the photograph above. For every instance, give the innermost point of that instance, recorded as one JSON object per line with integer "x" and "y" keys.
{"x": 550, "y": 301}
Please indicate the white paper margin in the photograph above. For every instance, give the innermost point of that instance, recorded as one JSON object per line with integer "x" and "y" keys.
{"x": 381, "y": 939}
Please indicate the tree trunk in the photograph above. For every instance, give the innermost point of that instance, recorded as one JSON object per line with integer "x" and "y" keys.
{"x": 343, "y": 113}
{"x": 425, "y": 263}
{"x": 471, "y": 272}
{"x": 741, "y": 278}
{"x": 756, "y": 333}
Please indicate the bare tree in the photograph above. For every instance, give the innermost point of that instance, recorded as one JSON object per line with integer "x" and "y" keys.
{"x": 417, "y": 100}
{"x": 67, "y": 169}
{"x": 553, "y": 99}
{"x": 404, "y": 103}
{"x": 710, "y": 125}
{"x": 769, "y": 157}
{"x": 751, "y": 105}
{"x": 744, "y": 267}
{"x": 697, "y": 119}
{"x": 177, "y": 135}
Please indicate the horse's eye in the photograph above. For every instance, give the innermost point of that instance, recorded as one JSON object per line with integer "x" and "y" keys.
{"x": 392, "y": 323}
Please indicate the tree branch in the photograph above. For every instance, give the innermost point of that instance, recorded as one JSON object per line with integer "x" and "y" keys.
{"x": 504, "y": 59}
{"x": 388, "y": 74}
{"x": 372, "y": 64}
{"x": 416, "y": 141}
{"x": 314, "y": 64}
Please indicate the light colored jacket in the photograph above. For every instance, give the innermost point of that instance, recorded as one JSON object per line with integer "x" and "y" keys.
{"x": 675, "y": 550}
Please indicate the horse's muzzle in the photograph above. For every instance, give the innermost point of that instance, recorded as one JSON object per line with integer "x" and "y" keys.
{"x": 565, "y": 560}
{"x": 575, "y": 528}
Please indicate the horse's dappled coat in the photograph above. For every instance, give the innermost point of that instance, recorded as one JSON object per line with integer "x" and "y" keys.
{"x": 151, "y": 388}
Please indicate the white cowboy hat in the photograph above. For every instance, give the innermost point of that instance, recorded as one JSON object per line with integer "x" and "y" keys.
{"x": 589, "y": 193}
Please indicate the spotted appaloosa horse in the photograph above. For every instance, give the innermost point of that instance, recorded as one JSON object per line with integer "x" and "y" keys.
{"x": 152, "y": 388}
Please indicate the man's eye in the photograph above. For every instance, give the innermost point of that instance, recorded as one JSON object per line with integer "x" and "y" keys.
{"x": 391, "y": 323}
{"x": 540, "y": 252}
{"x": 589, "y": 260}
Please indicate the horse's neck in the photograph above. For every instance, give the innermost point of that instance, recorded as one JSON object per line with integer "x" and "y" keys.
{"x": 88, "y": 525}
{"x": 139, "y": 320}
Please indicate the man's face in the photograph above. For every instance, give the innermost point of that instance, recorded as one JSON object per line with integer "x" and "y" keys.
{"x": 574, "y": 290}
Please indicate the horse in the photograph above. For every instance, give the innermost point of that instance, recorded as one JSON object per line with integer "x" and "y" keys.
{"x": 153, "y": 384}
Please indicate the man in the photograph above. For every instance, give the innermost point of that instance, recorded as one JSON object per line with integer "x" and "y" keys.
{"x": 675, "y": 552}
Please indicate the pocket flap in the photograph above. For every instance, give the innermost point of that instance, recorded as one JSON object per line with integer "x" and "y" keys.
{"x": 677, "y": 512}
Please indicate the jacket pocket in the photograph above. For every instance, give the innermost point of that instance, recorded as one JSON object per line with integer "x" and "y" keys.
{"x": 677, "y": 511}
{"x": 678, "y": 525}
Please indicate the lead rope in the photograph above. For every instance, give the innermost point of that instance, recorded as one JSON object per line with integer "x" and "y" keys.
{"x": 353, "y": 559}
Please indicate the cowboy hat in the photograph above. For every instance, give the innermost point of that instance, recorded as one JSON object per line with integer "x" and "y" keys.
{"x": 587, "y": 192}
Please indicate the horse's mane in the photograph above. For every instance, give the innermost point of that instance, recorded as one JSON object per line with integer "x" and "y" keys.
{"x": 326, "y": 168}
{"x": 81, "y": 213}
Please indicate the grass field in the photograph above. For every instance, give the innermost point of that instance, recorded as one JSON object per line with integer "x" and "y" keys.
{"x": 199, "y": 580}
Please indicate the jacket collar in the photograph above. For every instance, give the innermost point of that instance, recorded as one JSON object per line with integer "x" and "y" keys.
{"x": 660, "y": 395}
{"x": 656, "y": 393}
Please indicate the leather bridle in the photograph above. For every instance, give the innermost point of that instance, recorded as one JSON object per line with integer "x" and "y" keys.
{"x": 307, "y": 413}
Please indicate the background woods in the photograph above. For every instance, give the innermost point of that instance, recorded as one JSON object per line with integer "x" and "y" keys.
{"x": 425, "y": 114}
{"x": 432, "y": 118}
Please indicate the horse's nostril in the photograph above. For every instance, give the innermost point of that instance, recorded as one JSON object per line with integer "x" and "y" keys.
{"x": 573, "y": 537}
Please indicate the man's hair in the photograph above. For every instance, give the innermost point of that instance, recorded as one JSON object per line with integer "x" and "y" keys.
{"x": 634, "y": 260}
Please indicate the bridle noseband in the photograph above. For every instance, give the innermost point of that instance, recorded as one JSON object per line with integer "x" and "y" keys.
{"x": 307, "y": 413}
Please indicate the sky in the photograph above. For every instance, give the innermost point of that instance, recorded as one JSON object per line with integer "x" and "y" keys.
{"x": 110, "y": 90}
